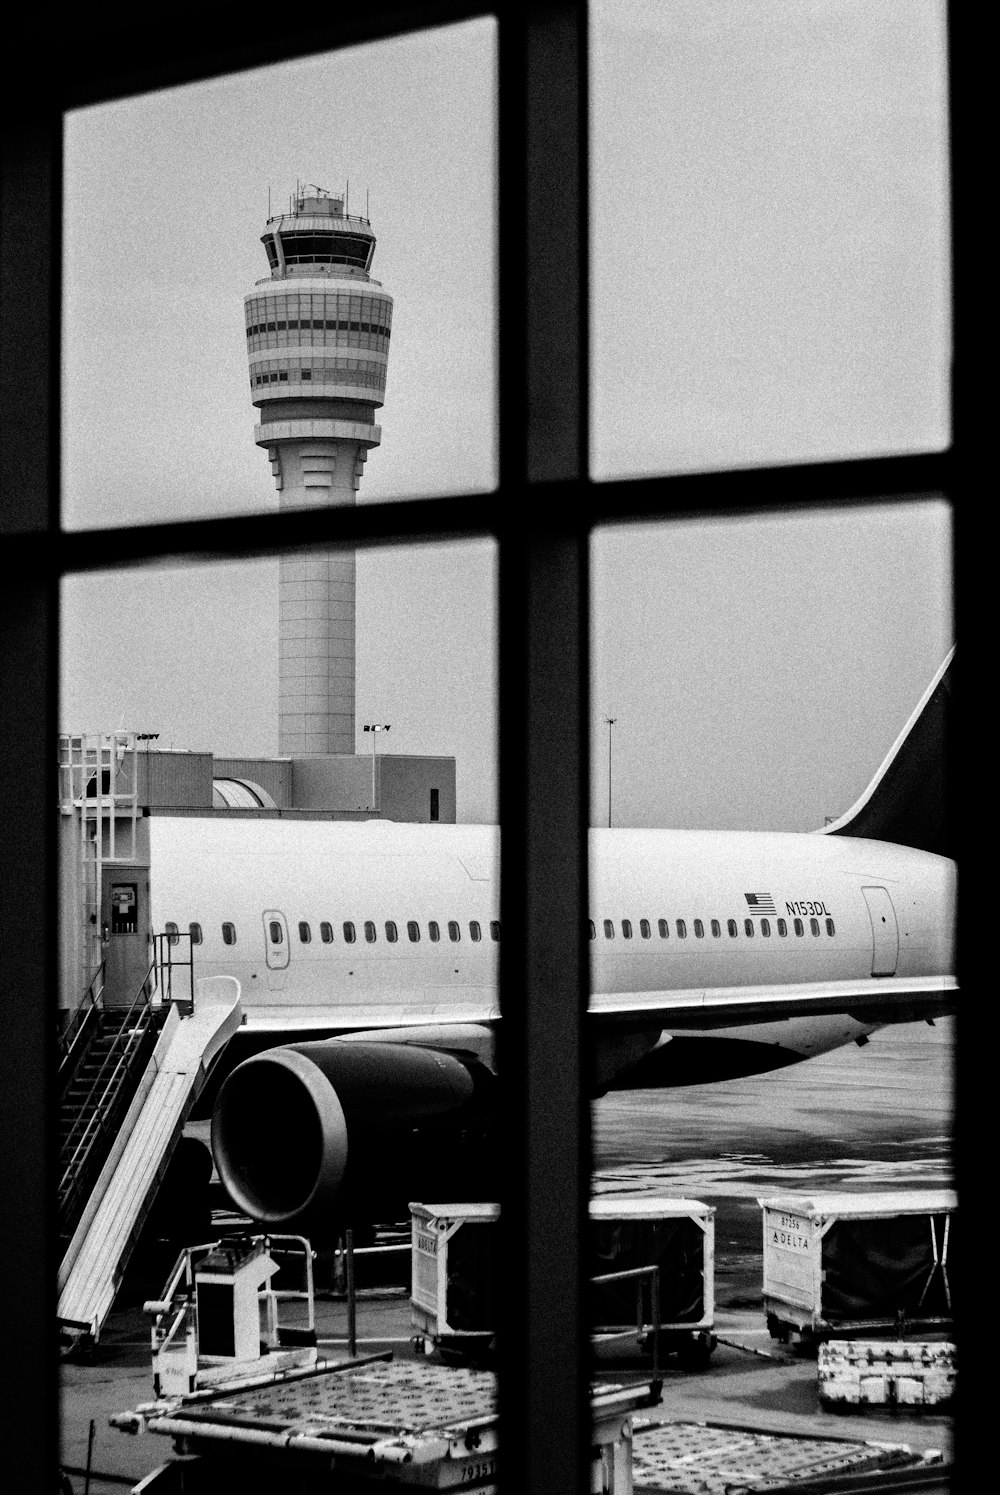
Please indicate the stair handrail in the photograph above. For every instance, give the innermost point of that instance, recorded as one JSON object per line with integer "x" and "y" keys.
{"x": 91, "y": 1001}
{"x": 92, "y": 1117}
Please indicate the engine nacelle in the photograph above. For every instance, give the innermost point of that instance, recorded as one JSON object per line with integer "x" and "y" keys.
{"x": 287, "y": 1122}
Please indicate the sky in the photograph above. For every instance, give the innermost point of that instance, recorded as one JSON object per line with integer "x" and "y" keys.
{"x": 769, "y": 284}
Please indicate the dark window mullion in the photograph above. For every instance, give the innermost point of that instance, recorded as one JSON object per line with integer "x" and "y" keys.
{"x": 544, "y": 781}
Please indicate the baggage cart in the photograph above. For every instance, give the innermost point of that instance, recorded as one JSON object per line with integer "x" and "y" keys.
{"x": 839, "y": 1265}
{"x": 632, "y": 1241}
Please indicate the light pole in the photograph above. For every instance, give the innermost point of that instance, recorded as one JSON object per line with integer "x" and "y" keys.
{"x": 374, "y": 727}
{"x": 610, "y": 721}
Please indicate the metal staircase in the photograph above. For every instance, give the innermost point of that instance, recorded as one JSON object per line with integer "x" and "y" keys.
{"x": 127, "y": 1095}
{"x": 99, "y": 1074}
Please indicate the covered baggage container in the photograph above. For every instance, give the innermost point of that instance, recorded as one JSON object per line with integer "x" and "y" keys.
{"x": 678, "y": 1237}
{"x": 455, "y": 1271}
{"x": 842, "y": 1264}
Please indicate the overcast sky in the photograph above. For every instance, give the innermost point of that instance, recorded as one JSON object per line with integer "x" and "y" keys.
{"x": 769, "y": 284}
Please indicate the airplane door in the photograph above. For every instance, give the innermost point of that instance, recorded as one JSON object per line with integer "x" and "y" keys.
{"x": 125, "y": 931}
{"x": 885, "y": 933}
{"x": 276, "y": 942}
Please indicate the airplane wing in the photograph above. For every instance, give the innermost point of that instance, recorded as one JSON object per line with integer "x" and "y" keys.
{"x": 881, "y": 999}
{"x": 884, "y": 999}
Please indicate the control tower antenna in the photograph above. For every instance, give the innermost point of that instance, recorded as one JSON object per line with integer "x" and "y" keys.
{"x": 318, "y": 342}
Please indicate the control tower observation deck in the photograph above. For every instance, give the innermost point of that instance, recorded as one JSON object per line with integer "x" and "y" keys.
{"x": 318, "y": 341}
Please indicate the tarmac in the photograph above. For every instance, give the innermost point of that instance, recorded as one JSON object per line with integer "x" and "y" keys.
{"x": 863, "y": 1118}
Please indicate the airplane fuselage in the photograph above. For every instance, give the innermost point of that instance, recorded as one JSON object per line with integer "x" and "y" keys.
{"x": 332, "y": 927}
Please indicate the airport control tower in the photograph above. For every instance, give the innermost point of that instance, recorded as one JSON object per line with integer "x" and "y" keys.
{"x": 318, "y": 342}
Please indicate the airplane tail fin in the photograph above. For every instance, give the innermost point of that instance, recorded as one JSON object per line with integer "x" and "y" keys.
{"x": 908, "y": 801}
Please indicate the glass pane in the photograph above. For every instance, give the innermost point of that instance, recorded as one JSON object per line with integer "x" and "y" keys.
{"x": 299, "y": 870}
{"x": 769, "y": 233}
{"x": 755, "y": 674}
{"x": 179, "y": 339}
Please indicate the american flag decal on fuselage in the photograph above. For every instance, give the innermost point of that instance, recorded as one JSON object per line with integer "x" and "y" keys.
{"x": 760, "y": 903}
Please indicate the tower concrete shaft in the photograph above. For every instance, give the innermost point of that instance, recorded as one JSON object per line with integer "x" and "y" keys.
{"x": 318, "y": 340}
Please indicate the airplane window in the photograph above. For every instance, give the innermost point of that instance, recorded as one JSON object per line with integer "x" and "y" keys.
{"x": 274, "y": 928}
{"x": 609, "y": 929}
{"x": 326, "y": 932}
{"x": 475, "y": 930}
{"x": 748, "y": 926}
{"x": 349, "y": 933}
{"x": 229, "y": 934}
{"x": 716, "y": 928}
{"x": 765, "y": 928}
{"x": 305, "y": 933}
{"x": 699, "y": 930}
{"x": 627, "y": 929}
{"x": 782, "y": 928}
{"x": 413, "y": 930}
{"x": 682, "y": 929}
{"x": 797, "y": 925}
{"x": 590, "y": 926}
{"x": 829, "y": 927}
{"x": 195, "y": 932}
{"x": 173, "y": 938}
{"x": 644, "y": 929}
{"x": 495, "y": 929}
{"x": 391, "y": 933}
{"x": 663, "y": 927}
{"x": 814, "y": 925}
{"x": 454, "y": 932}
{"x": 369, "y": 931}
{"x": 434, "y": 929}
{"x": 733, "y": 928}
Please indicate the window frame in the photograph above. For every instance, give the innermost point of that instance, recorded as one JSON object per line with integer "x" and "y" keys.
{"x": 542, "y": 143}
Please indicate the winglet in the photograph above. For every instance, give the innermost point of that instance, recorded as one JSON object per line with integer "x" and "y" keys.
{"x": 907, "y": 801}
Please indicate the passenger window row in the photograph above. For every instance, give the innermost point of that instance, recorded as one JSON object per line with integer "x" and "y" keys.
{"x": 350, "y": 931}
{"x": 750, "y": 928}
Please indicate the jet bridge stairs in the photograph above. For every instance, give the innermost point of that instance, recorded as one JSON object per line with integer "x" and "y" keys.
{"x": 128, "y": 1078}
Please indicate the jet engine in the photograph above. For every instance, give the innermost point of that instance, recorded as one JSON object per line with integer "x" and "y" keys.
{"x": 299, "y": 1130}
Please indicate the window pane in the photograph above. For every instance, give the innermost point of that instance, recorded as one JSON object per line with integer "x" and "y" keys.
{"x": 158, "y": 422}
{"x": 769, "y": 232}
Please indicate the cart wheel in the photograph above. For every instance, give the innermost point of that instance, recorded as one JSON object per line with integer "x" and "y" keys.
{"x": 778, "y": 1329}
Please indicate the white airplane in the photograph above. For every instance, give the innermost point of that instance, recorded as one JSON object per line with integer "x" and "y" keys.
{"x": 367, "y": 958}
